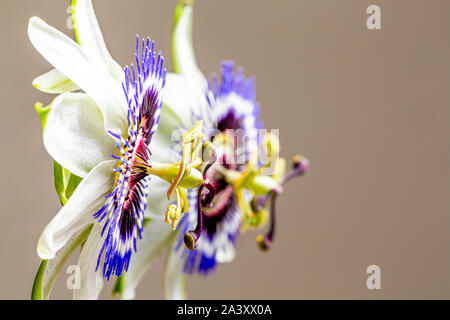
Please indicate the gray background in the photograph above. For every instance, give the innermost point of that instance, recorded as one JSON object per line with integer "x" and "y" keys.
{"x": 370, "y": 109}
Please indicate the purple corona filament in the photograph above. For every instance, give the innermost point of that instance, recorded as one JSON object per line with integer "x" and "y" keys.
{"x": 123, "y": 211}
{"x": 233, "y": 106}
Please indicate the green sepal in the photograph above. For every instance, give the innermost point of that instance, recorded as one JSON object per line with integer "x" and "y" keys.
{"x": 179, "y": 9}
{"x": 65, "y": 182}
{"x": 73, "y": 4}
{"x": 42, "y": 112}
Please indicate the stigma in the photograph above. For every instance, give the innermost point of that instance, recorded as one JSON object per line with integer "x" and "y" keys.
{"x": 299, "y": 166}
{"x": 204, "y": 198}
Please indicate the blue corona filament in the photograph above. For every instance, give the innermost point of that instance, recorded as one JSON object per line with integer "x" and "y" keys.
{"x": 123, "y": 211}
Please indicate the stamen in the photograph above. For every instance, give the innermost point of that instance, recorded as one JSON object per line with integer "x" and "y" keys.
{"x": 208, "y": 146}
{"x": 174, "y": 212}
{"x": 180, "y": 175}
{"x": 272, "y": 148}
{"x": 248, "y": 173}
{"x": 190, "y": 141}
{"x": 171, "y": 209}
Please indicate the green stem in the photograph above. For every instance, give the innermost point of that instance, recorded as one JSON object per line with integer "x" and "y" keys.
{"x": 36, "y": 292}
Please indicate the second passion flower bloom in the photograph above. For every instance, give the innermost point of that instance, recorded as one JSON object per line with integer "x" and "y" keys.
{"x": 105, "y": 136}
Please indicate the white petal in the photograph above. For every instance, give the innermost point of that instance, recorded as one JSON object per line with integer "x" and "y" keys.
{"x": 54, "y": 82}
{"x": 78, "y": 211}
{"x": 163, "y": 149}
{"x": 156, "y": 237}
{"x": 70, "y": 59}
{"x": 54, "y": 265}
{"x": 183, "y": 52}
{"x": 175, "y": 280}
{"x": 226, "y": 252}
{"x": 91, "y": 282}
{"x": 90, "y": 38}
{"x": 185, "y": 99}
{"x": 157, "y": 200}
{"x": 74, "y": 134}
{"x": 164, "y": 142}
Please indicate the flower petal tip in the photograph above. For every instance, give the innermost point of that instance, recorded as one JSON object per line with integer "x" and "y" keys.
{"x": 44, "y": 253}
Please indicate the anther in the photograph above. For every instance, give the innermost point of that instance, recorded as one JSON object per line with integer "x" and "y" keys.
{"x": 170, "y": 213}
{"x": 263, "y": 242}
